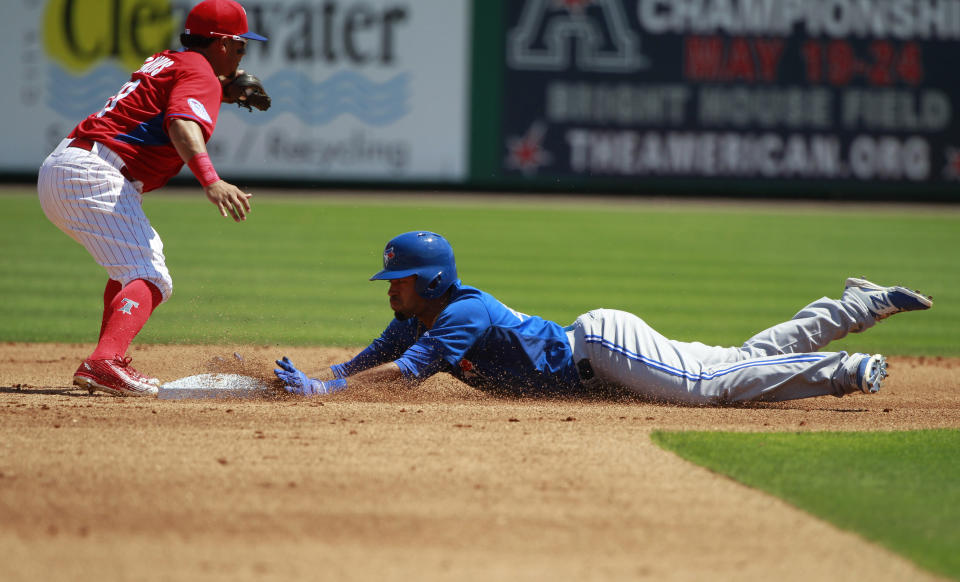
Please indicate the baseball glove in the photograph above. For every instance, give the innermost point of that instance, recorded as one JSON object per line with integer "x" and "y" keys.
{"x": 246, "y": 90}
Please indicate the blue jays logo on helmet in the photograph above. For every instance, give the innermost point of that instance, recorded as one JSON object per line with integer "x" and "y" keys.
{"x": 422, "y": 253}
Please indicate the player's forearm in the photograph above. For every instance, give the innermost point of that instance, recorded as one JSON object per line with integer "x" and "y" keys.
{"x": 295, "y": 381}
{"x": 388, "y": 373}
{"x": 377, "y": 353}
{"x": 383, "y": 374}
{"x": 187, "y": 138}
{"x": 381, "y": 377}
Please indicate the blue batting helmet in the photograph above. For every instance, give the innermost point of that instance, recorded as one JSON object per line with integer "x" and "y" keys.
{"x": 425, "y": 254}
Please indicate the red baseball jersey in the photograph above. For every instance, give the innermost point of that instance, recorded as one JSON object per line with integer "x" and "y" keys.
{"x": 134, "y": 122}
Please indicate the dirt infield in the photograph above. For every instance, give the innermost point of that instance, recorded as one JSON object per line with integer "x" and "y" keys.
{"x": 438, "y": 483}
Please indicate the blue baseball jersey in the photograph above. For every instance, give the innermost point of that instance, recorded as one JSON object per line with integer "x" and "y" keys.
{"x": 479, "y": 340}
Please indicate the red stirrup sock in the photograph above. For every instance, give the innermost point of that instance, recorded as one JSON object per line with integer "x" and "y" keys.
{"x": 126, "y": 315}
{"x": 109, "y": 292}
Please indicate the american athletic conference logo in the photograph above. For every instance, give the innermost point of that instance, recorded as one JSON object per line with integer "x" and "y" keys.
{"x": 598, "y": 30}
{"x": 563, "y": 35}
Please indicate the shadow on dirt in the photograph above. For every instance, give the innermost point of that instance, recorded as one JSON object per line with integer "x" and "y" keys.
{"x": 50, "y": 390}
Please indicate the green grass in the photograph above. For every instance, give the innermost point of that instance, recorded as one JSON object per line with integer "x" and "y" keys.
{"x": 898, "y": 489}
{"x": 296, "y": 272}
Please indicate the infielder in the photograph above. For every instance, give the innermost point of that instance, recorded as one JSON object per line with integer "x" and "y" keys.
{"x": 91, "y": 186}
{"x": 442, "y": 325}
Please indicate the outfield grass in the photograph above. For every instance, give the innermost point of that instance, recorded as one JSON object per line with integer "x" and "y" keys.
{"x": 296, "y": 271}
{"x": 899, "y": 489}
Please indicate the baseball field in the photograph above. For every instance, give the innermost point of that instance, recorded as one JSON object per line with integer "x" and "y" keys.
{"x": 444, "y": 482}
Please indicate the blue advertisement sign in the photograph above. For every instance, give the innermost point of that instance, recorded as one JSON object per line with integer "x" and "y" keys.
{"x": 851, "y": 92}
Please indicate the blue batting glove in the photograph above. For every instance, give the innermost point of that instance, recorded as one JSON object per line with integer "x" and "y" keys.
{"x": 296, "y": 382}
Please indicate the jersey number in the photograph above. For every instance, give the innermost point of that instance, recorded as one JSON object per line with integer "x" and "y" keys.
{"x": 127, "y": 89}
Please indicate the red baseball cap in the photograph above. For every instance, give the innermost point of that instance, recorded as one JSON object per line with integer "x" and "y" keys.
{"x": 219, "y": 18}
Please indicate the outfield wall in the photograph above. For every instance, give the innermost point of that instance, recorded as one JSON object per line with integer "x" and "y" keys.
{"x": 362, "y": 89}
{"x": 740, "y": 96}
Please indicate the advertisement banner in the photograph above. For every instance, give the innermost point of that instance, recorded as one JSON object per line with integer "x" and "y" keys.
{"x": 361, "y": 89}
{"x": 847, "y": 92}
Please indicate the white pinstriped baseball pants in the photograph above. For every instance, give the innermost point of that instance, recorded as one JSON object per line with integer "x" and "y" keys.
{"x": 84, "y": 195}
{"x": 779, "y": 363}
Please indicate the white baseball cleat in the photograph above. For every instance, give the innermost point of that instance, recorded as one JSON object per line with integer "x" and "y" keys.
{"x": 882, "y": 302}
{"x": 868, "y": 372}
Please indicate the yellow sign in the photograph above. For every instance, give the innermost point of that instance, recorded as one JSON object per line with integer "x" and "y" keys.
{"x": 79, "y": 34}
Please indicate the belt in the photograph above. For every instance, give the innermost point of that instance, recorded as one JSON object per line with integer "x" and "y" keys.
{"x": 585, "y": 370}
{"x": 87, "y": 144}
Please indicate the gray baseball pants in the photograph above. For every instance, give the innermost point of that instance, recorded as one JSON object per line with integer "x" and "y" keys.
{"x": 779, "y": 363}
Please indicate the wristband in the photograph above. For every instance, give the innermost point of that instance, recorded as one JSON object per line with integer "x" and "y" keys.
{"x": 202, "y": 168}
{"x": 325, "y": 387}
{"x": 335, "y": 385}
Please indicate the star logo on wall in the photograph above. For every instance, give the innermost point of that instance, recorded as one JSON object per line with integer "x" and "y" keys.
{"x": 526, "y": 153}
{"x": 952, "y": 168}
